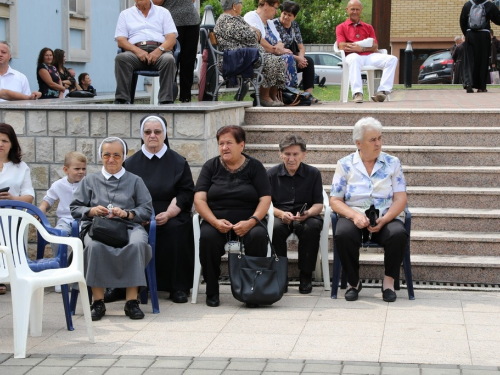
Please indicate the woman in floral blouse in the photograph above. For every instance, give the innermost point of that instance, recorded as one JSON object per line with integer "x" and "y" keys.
{"x": 364, "y": 178}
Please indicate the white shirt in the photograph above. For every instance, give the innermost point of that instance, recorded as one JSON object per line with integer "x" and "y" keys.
{"x": 18, "y": 178}
{"x": 254, "y": 20}
{"x": 159, "y": 154}
{"x": 136, "y": 28}
{"x": 352, "y": 183}
{"x": 107, "y": 175}
{"x": 15, "y": 81}
{"x": 63, "y": 190}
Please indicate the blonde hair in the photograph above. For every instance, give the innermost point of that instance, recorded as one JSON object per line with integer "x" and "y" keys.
{"x": 74, "y": 155}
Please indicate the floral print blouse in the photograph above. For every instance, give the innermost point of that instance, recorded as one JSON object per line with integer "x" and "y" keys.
{"x": 288, "y": 34}
{"x": 352, "y": 183}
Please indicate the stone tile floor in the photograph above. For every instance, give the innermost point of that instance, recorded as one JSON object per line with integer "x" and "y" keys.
{"x": 445, "y": 331}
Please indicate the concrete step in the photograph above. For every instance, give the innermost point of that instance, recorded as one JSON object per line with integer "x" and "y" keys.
{"x": 450, "y": 197}
{"x": 437, "y": 268}
{"x": 408, "y": 155}
{"x": 392, "y": 135}
{"x": 455, "y": 219}
{"x": 417, "y": 117}
{"x": 431, "y": 176}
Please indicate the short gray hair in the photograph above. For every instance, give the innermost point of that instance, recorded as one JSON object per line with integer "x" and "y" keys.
{"x": 228, "y": 4}
{"x": 366, "y": 123}
{"x": 458, "y": 37}
{"x": 293, "y": 140}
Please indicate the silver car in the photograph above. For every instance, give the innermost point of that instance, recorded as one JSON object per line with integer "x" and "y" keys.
{"x": 326, "y": 65}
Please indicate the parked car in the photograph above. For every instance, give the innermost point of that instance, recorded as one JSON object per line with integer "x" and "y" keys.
{"x": 437, "y": 68}
{"x": 326, "y": 64}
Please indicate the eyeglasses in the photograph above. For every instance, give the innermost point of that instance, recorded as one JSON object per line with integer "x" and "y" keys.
{"x": 156, "y": 131}
{"x": 108, "y": 156}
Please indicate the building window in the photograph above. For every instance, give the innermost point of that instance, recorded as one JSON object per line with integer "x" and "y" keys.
{"x": 8, "y": 25}
{"x": 77, "y": 30}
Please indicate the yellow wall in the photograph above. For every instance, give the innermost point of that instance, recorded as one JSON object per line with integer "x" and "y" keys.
{"x": 427, "y": 18}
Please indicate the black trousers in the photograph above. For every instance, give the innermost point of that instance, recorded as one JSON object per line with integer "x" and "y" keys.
{"x": 308, "y": 233}
{"x": 188, "y": 39}
{"x": 392, "y": 237}
{"x": 307, "y": 74}
{"x": 212, "y": 249}
{"x": 476, "y": 59}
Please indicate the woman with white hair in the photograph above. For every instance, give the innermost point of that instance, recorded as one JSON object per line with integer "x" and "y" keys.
{"x": 118, "y": 195}
{"x": 168, "y": 177}
{"x": 366, "y": 178}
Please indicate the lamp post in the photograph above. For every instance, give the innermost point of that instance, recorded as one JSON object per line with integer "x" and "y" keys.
{"x": 408, "y": 64}
{"x": 208, "y": 24}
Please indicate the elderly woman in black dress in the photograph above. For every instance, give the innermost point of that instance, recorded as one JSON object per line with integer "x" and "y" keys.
{"x": 122, "y": 196}
{"x": 233, "y": 33}
{"x": 168, "y": 178}
{"x": 231, "y": 188}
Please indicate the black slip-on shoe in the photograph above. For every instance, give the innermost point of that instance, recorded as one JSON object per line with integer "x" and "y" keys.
{"x": 98, "y": 310}
{"x": 132, "y": 310}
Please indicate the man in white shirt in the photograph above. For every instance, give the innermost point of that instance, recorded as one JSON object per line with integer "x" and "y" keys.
{"x": 13, "y": 84}
{"x": 147, "y": 34}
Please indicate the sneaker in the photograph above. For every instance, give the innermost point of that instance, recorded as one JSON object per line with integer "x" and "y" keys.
{"x": 57, "y": 288}
{"x": 358, "y": 98}
{"x": 132, "y": 310}
{"x": 379, "y": 96}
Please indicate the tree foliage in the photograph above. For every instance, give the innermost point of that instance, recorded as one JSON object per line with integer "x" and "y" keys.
{"x": 317, "y": 18}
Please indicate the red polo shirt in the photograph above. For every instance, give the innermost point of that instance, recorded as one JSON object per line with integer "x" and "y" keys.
{"x": 349, "y": 32}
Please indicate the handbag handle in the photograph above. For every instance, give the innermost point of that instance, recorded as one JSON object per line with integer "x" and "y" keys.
{"x": 273, "y": 252}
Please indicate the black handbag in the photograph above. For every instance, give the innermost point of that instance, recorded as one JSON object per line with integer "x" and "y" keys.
{"x": 258, "y": 280}
{"x": 291, "y": 96}
{"x": 294, "y": 47}
{"x": 108, "y": 231}
{"x": 81, "y": 94}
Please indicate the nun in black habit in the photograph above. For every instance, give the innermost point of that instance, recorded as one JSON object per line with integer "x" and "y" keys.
{"x": 169, "y": 180}
{"x": 477, "y": 47}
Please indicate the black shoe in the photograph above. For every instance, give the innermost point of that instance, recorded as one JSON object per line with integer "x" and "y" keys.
{"x": 132, "y": 310}
{"x": 167, "y": 102}
{"x": 121, "y": 101}
{"x": 185, "y": 100}
{"x": 468, "y": 88}
{"x": 389, "y": 295}
{"x": 98, "y": 310}
{"x": 114, "y": 294}
{"x": 252, "y": 305}
{"x": 179, "y": 296}
{"x": 352, "y": 293}
{"x": 213, "y": 300}
{"x": 305, "y": 282}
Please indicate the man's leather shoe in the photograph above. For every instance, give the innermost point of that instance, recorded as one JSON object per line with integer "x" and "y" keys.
{"x": 121, "y": 101}
{"x": 132, "y": 310}
{"x": 179, "y": 296}
{"x": 167, "y": 102}
{"x": 352, "y": 293}
{"x": 379, "y": 96}
{"x": 98, "y": 310}
{"x": 358, "y": 98}
{"x": 389, "y": 295}
{"x": 114, "y": 294}
{"x": 305, "y": 283}
{"x": 213, "y": 300}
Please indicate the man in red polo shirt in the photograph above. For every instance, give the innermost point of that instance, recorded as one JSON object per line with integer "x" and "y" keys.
{"x": 348, "y": 34}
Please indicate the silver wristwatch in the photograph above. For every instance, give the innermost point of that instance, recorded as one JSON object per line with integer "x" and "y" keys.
{"x": 161, "y": 49}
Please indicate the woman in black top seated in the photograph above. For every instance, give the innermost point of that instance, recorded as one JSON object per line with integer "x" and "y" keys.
{"x": 168, "y": 178}
{"x": 289, "y": 31}
{"x": 231, "y": 188}
{"x": 49, "y": 82}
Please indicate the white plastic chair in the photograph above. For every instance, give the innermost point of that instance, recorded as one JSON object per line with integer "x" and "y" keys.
{"x": 197, "y": 264}
{"x": 369, "y": 70}
{"x": 27, "y": 286}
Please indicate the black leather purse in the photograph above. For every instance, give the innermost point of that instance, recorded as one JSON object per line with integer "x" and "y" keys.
{"x": 258, "y": 280}
{"x": 108, "y": 231}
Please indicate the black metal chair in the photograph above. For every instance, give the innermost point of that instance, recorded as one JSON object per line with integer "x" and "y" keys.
{"x": 255, "y": 81}
{"x": 336, "y": 275}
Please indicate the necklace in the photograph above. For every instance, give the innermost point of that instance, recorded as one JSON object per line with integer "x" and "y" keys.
{"x": 110, "y": 205}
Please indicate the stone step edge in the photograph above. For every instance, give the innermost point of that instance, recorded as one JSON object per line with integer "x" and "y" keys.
{"x": 419, "y": 168}
{"x": 480, "y": 213}
{"x": 446, "y": 190}
{"x": 349, "y": 111}
{"x": 386, "y": 129}
{"x": 421, "y": 260}
{"x": 351, "y": 148}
